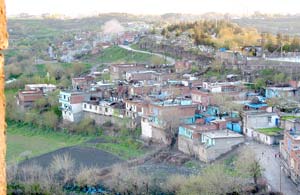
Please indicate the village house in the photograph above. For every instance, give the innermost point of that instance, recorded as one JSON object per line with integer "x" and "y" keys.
{"x": 104, "y": 107}
{"x": 207, "y": 142}
{"x": 103, "y": 111}
{"x": 141, "y": 90}
{"x": 201, "y": 97}
{"x": 205, "y": 95}
{"x": 45, "y": 88}
{"x": 165, "y": 116}
{"x": 223, "y": 87}
{"x": 142, "y": 75}
{"x": 280, "y": 92}
{"x": 231, "y": 58}
{"x": 71, "y": 105}
{"x": 135, "y": 109}
{"x": 290, "y": 151}
{"x": 294, "y": 83}
{"x": 262, "y": 126}
{"x": 82, "y": 83}
{"x": 182, "y": 66}
{"x": 26, "y": 98}
{"x": 118, "y": 71}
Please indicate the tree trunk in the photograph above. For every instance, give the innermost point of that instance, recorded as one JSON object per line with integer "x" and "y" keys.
{"x": 3, "y": 45}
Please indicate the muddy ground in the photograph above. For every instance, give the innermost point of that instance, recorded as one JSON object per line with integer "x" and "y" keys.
{"x": 83, "y": 156}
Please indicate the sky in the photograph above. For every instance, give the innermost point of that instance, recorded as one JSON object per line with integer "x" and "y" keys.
{"x": 88, "y": 7}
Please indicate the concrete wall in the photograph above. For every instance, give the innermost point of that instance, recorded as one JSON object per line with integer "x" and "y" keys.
{"x": 260, "y": 137}
{"x": 98, "y": 109}
{"x": 159, "y": 135}
{"x": 101, "y": 119}
{"x": 222, "y": 146}
{"x": 72, "y": 117}
{"x": 146, "y": 129}
{"x": 289, "y": 124}
{"x": 258, "y": 121}
{"x": 208, "y": 154}
{"x": 186, "y": 145}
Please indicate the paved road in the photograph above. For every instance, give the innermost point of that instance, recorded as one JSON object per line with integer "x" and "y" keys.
{"x": 169, "y": 59}
{"x": 271, "y": 166}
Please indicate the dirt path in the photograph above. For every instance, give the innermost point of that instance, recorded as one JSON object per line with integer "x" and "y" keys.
{"x": 271, "y": 166}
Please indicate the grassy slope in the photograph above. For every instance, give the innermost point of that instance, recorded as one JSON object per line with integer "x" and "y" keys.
{"x": 116, "y": 54}
{"x": 124, "y": 148}
{"x": 33, "y": 141}
{"x": 27, "y": 141}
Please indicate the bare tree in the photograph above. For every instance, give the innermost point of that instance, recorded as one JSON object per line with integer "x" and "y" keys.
{"x": 213, "y": 180}
{"x": 171, "y": 120}
{"x": 248, "y": 165}
{"x": 62, "y": 167}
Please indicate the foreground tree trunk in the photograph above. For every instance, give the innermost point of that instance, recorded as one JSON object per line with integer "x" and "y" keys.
{"x": 3, "y": 45}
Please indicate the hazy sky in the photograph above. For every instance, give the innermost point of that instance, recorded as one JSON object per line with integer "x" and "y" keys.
{"x": 76, "y": 7}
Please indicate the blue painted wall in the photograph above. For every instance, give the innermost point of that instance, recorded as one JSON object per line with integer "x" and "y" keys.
{"x": 185, "y": 132}
{"x": 236, "y": 127}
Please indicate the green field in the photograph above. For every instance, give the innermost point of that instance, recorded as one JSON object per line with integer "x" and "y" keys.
{"x": 125, "y": 148}
{"x": 116, "y": 54}
{"x": 24, "y": 141}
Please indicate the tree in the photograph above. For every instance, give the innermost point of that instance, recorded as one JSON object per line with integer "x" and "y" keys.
{"x": 273, "y": 102}
{"x": 164, "y": 32}
{"x": 248, "y": 165}
{"x": 127, "y": 180}
{"x": 279, "y": 78}
{"x": 49, "y": 120}
{"x": 213, "y": 180}
{"x": 260, "y": 83}
{"x": 170, "y": 122}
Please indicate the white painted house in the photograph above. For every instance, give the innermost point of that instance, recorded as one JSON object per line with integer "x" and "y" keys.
{"x": 256, "y": 122}
{"x": 71, "y": 105}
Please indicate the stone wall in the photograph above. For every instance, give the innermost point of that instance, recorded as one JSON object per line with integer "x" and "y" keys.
{"x": 101, "y": 119}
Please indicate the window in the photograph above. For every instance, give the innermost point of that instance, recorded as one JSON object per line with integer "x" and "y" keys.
{"x": 90, "y": 106}
{"x": 269, "y": 119}
{"x": 84, "y": 105}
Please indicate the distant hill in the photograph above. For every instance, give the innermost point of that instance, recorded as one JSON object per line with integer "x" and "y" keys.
{"x": 285, "y": 25}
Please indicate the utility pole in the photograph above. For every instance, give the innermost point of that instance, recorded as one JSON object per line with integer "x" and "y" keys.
{"x": 280, "y": 180}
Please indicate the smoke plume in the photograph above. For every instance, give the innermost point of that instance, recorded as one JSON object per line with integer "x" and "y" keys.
{"x": 112, "y": 27}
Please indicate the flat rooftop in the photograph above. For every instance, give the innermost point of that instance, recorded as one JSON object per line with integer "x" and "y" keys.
{"x": 281, "y": 88}
{"x": 39, "y": 85}
{"x": 222, "y": 134}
